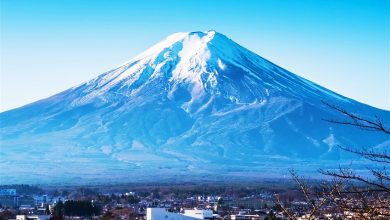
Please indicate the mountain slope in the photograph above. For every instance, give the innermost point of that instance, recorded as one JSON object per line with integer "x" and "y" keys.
{"x": 196, "y": 104}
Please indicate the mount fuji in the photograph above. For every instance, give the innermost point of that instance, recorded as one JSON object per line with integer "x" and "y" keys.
{"x": 194, "y": 106}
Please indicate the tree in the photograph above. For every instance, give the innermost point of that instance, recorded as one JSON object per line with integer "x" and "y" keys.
{"x": 80, "y": 208}
{"x": 365, "y": 196}
{"x": 58, "y": 213}
{"x": 220, "y": 202}
{"x": 6, "y": 214}
{"x": 47, "y": 210}
{"x": 132, "y": 199}
{"x": 317, "y": 196}
{"x": 107, "y": 215}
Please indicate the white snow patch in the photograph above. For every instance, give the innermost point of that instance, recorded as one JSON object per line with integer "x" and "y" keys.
{"x": 220, "y": 64}
{"x": 242, "y": 107}
{"x": 313, "y": 141}
{"x": 137, "y": 145}
{"x": 106, "y": 150}
{"x": 212, "y": 79}
{"x": 203, "y": 107}
{"x": 154, "y": 50}
{"x": 330, "y": 141}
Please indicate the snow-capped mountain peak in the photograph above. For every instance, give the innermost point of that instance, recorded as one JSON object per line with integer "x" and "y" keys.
{"x": 187, "y": 56}
{"x": 196, "y": 104}
{"x": 209, "y": 65}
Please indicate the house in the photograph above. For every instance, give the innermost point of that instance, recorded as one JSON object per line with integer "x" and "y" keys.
{"x": 32, "y": 217}
{"x": 199, "y": 214}
{"x": 245, "y": 217}
{"x": 192, "y": 214}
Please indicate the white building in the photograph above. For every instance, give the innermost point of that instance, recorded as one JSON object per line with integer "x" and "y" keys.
{"x": 41, "y": 200}
{"x": 245, "y": 217}
{"x": 25, "y": 207}
{"x": 162, "y": 214}
{"x": 32, "y": 217}
{"x": 199, "y": 214}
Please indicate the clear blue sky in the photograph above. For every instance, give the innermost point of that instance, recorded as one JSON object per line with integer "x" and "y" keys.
{"x": 49, "y": 46}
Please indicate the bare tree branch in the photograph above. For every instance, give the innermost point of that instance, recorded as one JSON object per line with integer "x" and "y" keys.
{"x": 348, "y": 175}
{"x": 358, "y": 121}
{"x": 381, "y": 157}
{"x": 353, "y": 195}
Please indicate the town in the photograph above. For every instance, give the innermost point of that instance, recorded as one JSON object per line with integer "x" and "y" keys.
{"x": 182, "y": 201}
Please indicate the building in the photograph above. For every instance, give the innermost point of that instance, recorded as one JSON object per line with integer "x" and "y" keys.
{"x": 9, "y": 201}
{"x": 32, "y": 217}
{"x": 7, "y": 192}
{"x": 26, "y": 208}
{"x": 162, "y": 214}
{"x": 16, "y": 201}
{"x": 8, "y": 198}
{"x": 245, "y": 217}
{"x": 25, "y": 201}
{"x": 199, "y": 214}
{"x": 41, "y": 200}
{"x": 251, "y": 203}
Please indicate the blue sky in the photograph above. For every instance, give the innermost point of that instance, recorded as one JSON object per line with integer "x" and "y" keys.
{"x": 49, "y": 46}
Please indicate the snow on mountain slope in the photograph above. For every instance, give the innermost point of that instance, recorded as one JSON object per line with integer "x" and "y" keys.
{"x": 196, "y": 104}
